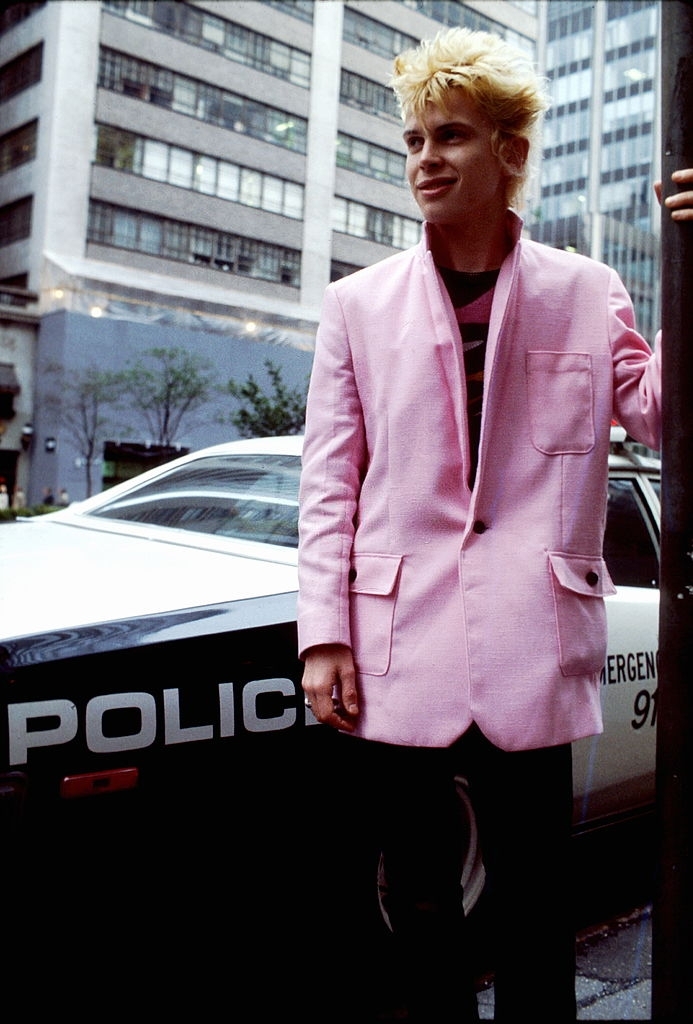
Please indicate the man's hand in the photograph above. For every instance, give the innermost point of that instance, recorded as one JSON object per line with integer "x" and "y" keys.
{"x": 680, "y": 203}
{"x": 329, "y": 683}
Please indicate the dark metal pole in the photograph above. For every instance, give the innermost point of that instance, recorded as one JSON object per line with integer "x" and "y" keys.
{"x": 672, "y": 935}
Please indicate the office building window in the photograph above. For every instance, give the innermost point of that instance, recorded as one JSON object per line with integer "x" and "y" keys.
{"x": 192, "y": 243}
{"x": 302, "y": 9}
{"x": 339, "y": 270}
{"x": 626, "y": 111}
{"x": 153, "y": 84}
{"x": 569, "y": 124}
{"x": 566, "y": 20}
{"x": 628, "y": 23}
{"x": 160, "y": 161}
{"x": 630, "y": 70}
{"x": 21, "y": 73}
{"x": 15, "y": 281}
{"x": 628, "y": 151}
{"x": 572, "y": 88}
{"x": 203, "y": 28}
{"x": 627, "y": 196}
{"x": 371, "y": 160}
{"x": 367, "y": 95}
{"x": 181, "y": 170}
{"x": 374, "y": 224}
{"x": 12, "y": 13}
{"x": 18, "y": 147}
{"x": 374, "y": 36}
{"x": 15, "y": 220}
{"x": 565, "y": 51}
{"x": 452, "y": 13}
{"x": 388, "y": 42}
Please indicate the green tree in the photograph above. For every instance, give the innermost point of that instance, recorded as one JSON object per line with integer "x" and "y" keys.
{"x": 167, "y": 389}
{"x": 85, "y": 405}
{"x": 267, "y": 415}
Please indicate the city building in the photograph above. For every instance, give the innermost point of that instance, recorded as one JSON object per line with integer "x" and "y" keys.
{"x": 187, "y": 177}
{"x": 602, "y": 140}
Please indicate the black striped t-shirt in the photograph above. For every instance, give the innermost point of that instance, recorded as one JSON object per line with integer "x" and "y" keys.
{"x": 471, "y": 296}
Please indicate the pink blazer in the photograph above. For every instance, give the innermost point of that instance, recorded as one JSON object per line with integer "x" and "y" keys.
{"x": 461, "y": 606}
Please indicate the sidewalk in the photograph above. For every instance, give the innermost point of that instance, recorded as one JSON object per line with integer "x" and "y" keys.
{"x": 614, "y": 971}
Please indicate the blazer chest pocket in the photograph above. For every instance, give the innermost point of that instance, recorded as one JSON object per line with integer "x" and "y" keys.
{"x": 580, "y": 584}
{"x": 560, "y": 402}
{"x": 373, "y": 593}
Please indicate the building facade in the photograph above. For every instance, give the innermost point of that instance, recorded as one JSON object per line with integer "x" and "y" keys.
{"x": 191, "y": 176}
{"x": 602, "y": 140}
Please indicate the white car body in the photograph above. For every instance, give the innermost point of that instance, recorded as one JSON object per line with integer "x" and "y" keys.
{"x": 76, "y": 568}
{"x": 70, "y": 569}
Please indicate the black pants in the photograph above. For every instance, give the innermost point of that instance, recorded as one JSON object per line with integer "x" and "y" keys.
{"x": 401, "y": 802}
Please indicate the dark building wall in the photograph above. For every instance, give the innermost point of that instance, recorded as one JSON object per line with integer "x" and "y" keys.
{"x": 75, "y": 342}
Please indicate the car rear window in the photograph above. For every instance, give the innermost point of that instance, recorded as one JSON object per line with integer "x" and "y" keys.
{"x": 250, "y": 497}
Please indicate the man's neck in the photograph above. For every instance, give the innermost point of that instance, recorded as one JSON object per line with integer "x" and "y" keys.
{"x": 470, "y": 251}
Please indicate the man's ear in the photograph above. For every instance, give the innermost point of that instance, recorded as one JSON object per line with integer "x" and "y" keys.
{"x": 513, "y": 153}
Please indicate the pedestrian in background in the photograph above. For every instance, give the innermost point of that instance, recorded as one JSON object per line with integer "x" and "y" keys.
{"x": 451, "y": 580}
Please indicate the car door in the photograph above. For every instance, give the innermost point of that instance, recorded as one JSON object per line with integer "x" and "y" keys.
{"x": 614, "y": 772}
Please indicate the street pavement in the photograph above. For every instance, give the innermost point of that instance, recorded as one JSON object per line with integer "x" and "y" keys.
{"x": 614, "y": 971}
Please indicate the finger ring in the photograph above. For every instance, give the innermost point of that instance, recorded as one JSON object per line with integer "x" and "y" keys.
{"x": 307, "y": 703}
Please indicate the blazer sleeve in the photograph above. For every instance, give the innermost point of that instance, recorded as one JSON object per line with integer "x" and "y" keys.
{"x": 637, "y": 371}
{"x": 334, "y": 461}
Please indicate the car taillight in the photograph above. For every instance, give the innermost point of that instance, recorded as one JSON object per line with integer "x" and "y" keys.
{"x": 93, "y": 783}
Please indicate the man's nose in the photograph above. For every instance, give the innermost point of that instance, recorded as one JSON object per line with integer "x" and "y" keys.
{"x": 429, "y": 152}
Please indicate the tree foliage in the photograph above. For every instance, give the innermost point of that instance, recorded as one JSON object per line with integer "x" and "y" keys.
{"x": 162, "y": 389}
{"x": 283, "y": 411}
{"x": 167, "y": 389}
{"x": 86, "y": 406}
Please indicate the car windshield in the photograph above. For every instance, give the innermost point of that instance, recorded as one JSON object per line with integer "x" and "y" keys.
{"x": 250, "y": 497}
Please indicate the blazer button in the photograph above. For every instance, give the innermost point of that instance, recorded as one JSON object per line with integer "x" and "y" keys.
{"x": 352, "y": 575}
{"x": 592, "y": 578}
{"x": 479, "y": 527}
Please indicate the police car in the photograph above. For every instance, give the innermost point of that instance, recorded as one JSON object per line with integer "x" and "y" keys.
{"x": 155, "y": 751}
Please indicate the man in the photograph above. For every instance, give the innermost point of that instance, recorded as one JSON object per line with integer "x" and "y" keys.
{"x": 451, "y": 578}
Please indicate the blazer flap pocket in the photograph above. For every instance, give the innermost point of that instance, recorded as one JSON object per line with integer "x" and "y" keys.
{"x": 374, "y": 574}
{"x": 582, "y": 574}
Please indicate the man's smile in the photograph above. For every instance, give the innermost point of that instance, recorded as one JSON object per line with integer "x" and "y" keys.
{"x": 435, "y": 186}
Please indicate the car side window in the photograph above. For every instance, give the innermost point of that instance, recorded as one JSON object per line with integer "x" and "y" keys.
{"x": 248, "y": 497}
{"x": 630, "y": 547}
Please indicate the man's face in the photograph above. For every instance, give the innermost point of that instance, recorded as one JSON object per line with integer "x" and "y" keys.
{"x": 454, "y": 177}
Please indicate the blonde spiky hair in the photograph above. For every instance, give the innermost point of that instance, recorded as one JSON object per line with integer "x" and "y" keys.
{"x": 496, "y": 76}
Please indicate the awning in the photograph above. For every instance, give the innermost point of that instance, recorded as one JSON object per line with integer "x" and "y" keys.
{"x": 9, "y": 385}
